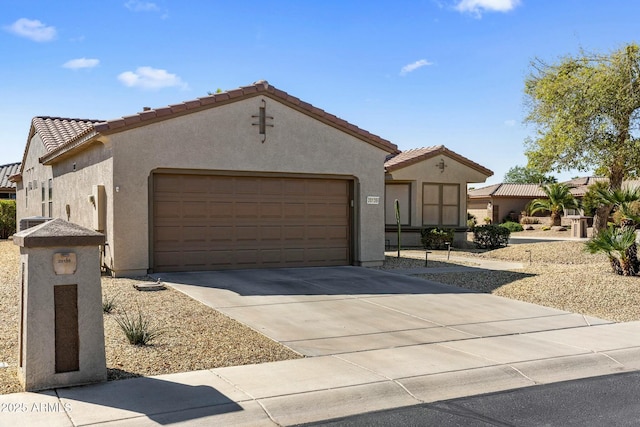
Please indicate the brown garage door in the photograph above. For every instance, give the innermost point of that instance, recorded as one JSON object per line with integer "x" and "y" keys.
{"x": 210, "y": 222}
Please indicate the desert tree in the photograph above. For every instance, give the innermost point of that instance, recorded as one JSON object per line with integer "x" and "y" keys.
{"x": 586, "y": 112}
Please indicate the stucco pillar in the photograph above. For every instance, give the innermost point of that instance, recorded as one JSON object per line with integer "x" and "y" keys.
{"x": 61, "y": 320}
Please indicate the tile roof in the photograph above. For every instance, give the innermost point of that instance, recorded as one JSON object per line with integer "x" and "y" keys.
{"x": 508, "y": 190}
{"x": 56, "y": 131}
{"x": 409, "y": 157}
{"x": 61, "y": 135}
{"x": 5, "y": 172}
{"x": 577, "y": 186}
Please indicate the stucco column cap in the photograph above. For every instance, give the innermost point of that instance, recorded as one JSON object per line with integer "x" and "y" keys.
{"x": 57, "y": 232}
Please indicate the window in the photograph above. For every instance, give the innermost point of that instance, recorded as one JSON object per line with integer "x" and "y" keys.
{"x": 43, "y": 190}
{"x": 441, "y": 204}
{"x": 50, "y": 198}
{"x": 402, "y": 193}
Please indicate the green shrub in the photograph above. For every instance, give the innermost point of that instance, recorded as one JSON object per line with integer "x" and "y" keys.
{"x": 436, "y": 238}
{"x": 471, "y": 221}
{"x": 138, "y": 329}
{"x": 491, "y": 236}
{"x": 545, "y": 228}
{"x": 512, "y": 226}
{"x": 7, "y": 218}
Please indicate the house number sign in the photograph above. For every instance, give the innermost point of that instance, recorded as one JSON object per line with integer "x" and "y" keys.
{"x": 64, "y": 263}
{"x": 373, "y": 200}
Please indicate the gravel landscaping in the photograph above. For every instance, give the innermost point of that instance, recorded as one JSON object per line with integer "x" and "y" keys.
{"x": 195, "y": 336}
{"x": 560, "y": 275}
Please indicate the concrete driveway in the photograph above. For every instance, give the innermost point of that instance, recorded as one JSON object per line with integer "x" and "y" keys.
{"x": 361, "y": 313}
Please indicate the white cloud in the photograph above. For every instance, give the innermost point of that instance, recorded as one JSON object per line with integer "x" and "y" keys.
{"x": 151, "y": 78}
{"x": 414, "y": 66}
{"x": 477, "y": 7}
{"x": 141, "y": 6}
{"x": 75, "y": 64}
{"x": 32, "y": 29}
{"x": 510, "y": 123}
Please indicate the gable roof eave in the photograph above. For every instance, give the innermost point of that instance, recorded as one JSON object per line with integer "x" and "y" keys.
{"x": 259, "y": 88}
{"x": 421, "y": 154}
{"x": 72, "y": 147}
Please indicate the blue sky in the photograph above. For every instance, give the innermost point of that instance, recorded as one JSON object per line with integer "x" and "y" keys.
{"x": 418, "y": 73}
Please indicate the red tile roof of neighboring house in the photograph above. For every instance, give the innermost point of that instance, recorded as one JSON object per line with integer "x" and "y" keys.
{"x": 5, "y": 172}
{"x": 63, "y": 136}
{"x": 416, "y": 155}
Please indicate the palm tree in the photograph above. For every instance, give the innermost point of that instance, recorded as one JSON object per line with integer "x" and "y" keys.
{"x": 558, "y": 200}
{"x": 616, "y": 242}
{"x": 621, "y": 240}
{"x": 623, "y": 201}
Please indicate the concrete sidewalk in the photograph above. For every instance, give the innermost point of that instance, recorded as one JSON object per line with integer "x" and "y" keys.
{"x": 374, "y": 340}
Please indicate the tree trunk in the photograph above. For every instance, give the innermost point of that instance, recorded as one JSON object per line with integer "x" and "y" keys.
{"x": 615, "y": 265}
{"x": 556, "y": 219}
{"x": 600, "y": 219}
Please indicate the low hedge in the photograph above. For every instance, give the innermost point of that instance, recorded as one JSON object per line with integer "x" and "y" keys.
{"x": 512, "y": 226}
{"x": 491, "y": 236}
{"x": 7, "y": 218}
{"x": 436, "y": 238}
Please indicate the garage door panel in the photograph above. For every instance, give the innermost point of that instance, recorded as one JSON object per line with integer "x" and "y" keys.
{"x": 247, "y": 210}
{"x": 271, "y": 256}
{"x": 247, "y": 185}
{"x": 271, "y": 233}
{"x": 336, "y": 233}
{"x": 167, "y": 209}
{"x": 244, "y": 222}
{"x": 220, "y": 234}
{"x": 316, "y": 255}
{"x": 194, "y": 184}
{"x": 271, "y": 187}
{"x": 293, "y": 233}
{"x": 195, "y": 234}
{"x": 194, "y": 209}
{"x": 195, "y": 259}
{"x": 220, "y": 185}
{"x": 271, "y": 210}
{"x": 220, "y": 209}
{"x": 294, "y": 210}
{"x": 166, "y": 184}
{"x": 249, "y": 233}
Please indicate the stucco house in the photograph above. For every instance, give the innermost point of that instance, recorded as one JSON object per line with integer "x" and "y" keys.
{"x": 248, "y": 178}
{"x": 7, "y": 187}
{"x": 430, "y": 185}
{"x": 252, "y": 177}
{"x": 499, "y": 201}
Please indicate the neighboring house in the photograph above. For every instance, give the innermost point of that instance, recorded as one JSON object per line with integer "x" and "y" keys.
{"x": 252, "y": 177}
{"x": 7, "y": 187}
{"x": 500, "y": 201}
{"x": 430, "y": 185}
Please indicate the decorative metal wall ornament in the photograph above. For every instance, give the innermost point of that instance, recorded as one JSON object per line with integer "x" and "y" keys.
{"x": 441, "y": 165}
{"x": 262, "y": 121}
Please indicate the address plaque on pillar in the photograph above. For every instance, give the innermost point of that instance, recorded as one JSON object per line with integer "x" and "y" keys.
{"x": 64, "y": 263}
